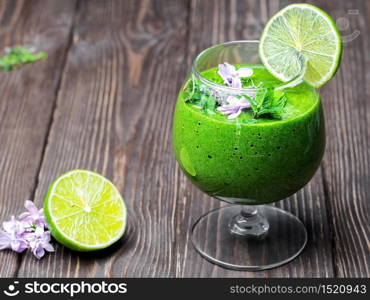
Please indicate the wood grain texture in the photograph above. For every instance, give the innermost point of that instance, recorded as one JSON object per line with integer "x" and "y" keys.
{"x": 113, "y": 116}
{"x": 27, "y": 101}
{"x": 104, "y": 101}
{"x": 347, "y": 160}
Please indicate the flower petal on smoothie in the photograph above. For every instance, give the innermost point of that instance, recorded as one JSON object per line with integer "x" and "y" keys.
{"x": 234, "y": 107}
{"x": 234, "y": 115}
{"x": 229, "y": 75}
{"x": 244, "y": 103}
{"x": 236, "y": 82}
{"x": 226, "y": 71}
{"x": 245, "y": 72}
{"x": 227, "y": 109}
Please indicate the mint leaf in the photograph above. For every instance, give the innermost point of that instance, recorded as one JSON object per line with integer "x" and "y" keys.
{"x": 18, "y": 56}
{"x": 197, "y": 94}
{"x": 247, "y": 81}
{"x": 268, "y": 103}
{"x": 192, "y": 92}
{"x": 208, "y": 103}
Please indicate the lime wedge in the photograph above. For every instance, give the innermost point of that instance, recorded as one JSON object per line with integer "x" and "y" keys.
{"x": 301, "y": 38}
{"x": 85, "y": 211}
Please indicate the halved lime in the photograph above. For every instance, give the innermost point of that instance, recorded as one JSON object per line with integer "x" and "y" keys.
{"x": 301, "y": 38}
{"x": 85, "y": 211}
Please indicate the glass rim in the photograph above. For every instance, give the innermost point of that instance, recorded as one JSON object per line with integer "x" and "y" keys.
{"x": 216, "y": 85}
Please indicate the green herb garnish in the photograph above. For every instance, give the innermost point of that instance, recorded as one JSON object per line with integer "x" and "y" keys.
{"x": 19, "y": 56}
{"x": 268, "y": 102}
{"x": 198, "y": 94}
{"x": 247, "y": 82}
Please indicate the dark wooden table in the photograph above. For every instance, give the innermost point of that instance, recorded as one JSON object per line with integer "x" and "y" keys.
{"x": 104, "y": 99}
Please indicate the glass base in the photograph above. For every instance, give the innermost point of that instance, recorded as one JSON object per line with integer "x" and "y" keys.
{"x": 249, "y": 238}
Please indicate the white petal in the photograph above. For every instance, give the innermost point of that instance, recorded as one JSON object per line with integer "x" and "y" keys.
{"x": 230, "y": 68}
{"x": 232, "y": 100}
{"x": 245, "y": 72}
{"x": 39, "y": 231}
{"x": 236, "y": 83}
{"x": 226, "y": 110}
{"x": 29, "y": 205}
{"x": 234, "y": 115}
{"x": 244, "y": 103}
{"x": 49, "y": 248}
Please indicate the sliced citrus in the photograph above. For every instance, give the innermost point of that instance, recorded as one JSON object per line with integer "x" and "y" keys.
{"x": 301, "y": 38}
{"x": 85, "y": 211}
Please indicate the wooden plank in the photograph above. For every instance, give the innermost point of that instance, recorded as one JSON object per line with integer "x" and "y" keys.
{"x": 346, "y": 165}
{"x": 27, "y": 100}
{"x": 213, "y": 22}
{"x": 100, "y": 123}
{"x": 113, "y": 115}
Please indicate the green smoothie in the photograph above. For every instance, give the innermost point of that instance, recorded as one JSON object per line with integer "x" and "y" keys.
{"x": 248, "y": 160}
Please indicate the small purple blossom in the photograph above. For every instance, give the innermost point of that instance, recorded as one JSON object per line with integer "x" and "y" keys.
{"x": 234, "y": 106}
{"x": 12, "y": 237}
{"x": 28, "y": 231}
{"x": 231, "y": 76}
{"x": 39, "y": 241}
{"x": 33, "y": 216}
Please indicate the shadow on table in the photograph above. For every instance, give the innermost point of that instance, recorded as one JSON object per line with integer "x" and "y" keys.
{"x": 119, "y": 246}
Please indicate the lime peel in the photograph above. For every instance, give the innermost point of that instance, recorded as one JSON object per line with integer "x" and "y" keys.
{"x": 301, "y": 29}
{"x": 93, "y": 226}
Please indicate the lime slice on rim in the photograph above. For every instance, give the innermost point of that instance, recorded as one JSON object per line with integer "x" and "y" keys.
{"x": 301, "y": 38}
{"x": 85, "y": 211}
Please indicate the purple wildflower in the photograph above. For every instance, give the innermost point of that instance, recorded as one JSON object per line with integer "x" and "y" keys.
{"x": 33, "y": 216}
{"x": 27, "y": 232}
{"x": 39, "y": 241}
{"x": 12, "y": 237}
{"x": 231, "y": 76}
{"x": 234, "y": 107}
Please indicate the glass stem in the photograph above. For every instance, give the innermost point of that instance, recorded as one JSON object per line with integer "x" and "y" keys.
{"x": 249, "y": 223}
